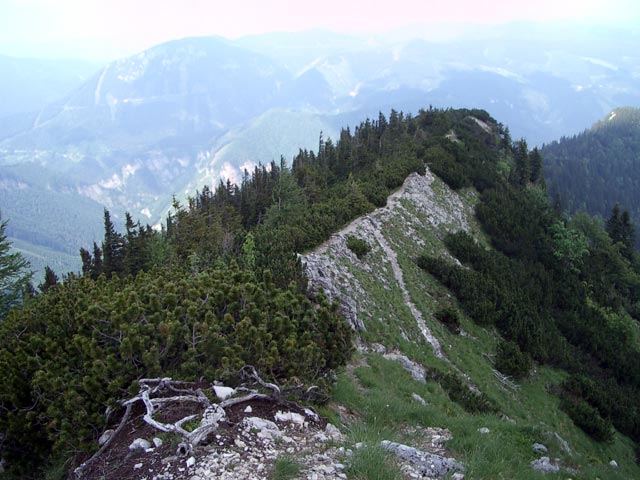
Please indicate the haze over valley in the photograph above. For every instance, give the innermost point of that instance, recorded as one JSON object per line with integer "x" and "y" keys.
{"x": 188, "y": 113}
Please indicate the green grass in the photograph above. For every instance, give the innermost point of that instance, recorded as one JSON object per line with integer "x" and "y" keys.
{"x": 380, "y": 390}
{"x": 372, "y": 462}
{"x": 285, "y": 467}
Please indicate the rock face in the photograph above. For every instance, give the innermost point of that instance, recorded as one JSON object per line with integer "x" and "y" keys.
{"x": 422, "y": 203}
{"x": 426, "y": 464}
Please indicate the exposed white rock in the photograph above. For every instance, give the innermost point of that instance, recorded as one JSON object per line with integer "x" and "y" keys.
{"x": 415, "y": 369}
{"x": 419, "y": 399}
{"x": 427, "y": 464}
{"x": 223, "y": 392}
{"x": 289, "y": 417}
{"x": 546, "y": 465}
{"x": 329, "y": 267}
{"x": 333, "y": 433}
{"x": 484, "y": 430}
{"x": 139, "y": 443}
{"x": 266, "y": 428}
{"x": 613, "y": 463}
{"x": 539, "y": 448}
{"x": 157, "y": 442}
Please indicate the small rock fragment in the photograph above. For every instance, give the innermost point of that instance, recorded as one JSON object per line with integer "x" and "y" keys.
{"x": 545, "y": 465}
{"x": 613, "y": 463}
{"x": 484, "y": 430}
{"x": 248, "y": 409}
{"x": 191, "y": 461}
{"x": 157, "y": 442}
{"x": 139, "y": 443}
{"x": 137, "y": 466}
{"x": 223, "y": 392}
{"x": 419, "y": 399}
{"x": 333, "y": 433}
{"x": 290, "y": 417}
{"x": 540, "y": 448}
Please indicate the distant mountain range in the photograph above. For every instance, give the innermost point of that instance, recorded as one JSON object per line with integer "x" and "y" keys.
{"x": 186, "y": 113}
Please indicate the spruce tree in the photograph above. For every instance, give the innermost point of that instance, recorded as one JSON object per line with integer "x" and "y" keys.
{"x": 50, "y": 279}
{"x": 112, "y": 248}
{"x": 14, "y": 274}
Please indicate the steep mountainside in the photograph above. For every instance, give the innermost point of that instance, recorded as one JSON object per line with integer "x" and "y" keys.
{"x": 183, "y": 114}
{"x": 488, "y": 327}
{"x": 599, "y": 167}
{"x": 394, "y": 307}
{"x": 28, "y": 85}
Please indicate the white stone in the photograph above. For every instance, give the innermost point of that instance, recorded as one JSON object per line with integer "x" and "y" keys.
{"x": 333, "y": 433}
{"x": 545, "y": 465}
{"x": 191, "y": 461}
{"x": 137, "y": 466}
{"x": 157, "y": 442}
{"x": 613, "y": 463}
{"x": 419, "y": 399}
{"x": 484, "y": 430}
{"x": 223, "y": 392}
{"x": 266, "y": 429}
{"x": 289, "y": 417}
{"x": 248, "y": 409}
{"x": 539, "y": 448}
{"x": 140, "y": 443}
{"x": 311, "y": 414}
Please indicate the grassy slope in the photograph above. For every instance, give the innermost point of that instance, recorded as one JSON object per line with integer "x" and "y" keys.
{"x": 381, "y": 391}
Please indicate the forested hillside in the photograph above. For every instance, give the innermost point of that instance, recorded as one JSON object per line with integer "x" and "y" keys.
{"x": 222, "y": 286}
{"x": 598, "y": 168}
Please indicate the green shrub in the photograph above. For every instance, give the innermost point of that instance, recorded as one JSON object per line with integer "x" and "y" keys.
{"x": 460, "y": 393}
{"x": 69, "y": 354}
{"x": 450, "y": 318}
{"x": 358, "y": 246}
{"x": 587, "y": 418}
{"x": 510, "y": 360}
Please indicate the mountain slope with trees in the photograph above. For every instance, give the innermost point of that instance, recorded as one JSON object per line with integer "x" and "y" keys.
{"x": 223, "y": 285}
{"x": 598, "y": 168}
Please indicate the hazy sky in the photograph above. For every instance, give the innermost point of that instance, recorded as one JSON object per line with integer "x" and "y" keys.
{"x": 105, "y": 29}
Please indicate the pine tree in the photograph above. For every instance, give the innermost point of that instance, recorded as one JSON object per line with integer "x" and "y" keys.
{"x": 97, "y": 265}
{"x": 614, "y": 224}
{"x": 535, "y": 162}
{"x": 112, "y": 248}
{"x": 628, "y": 235}
{"x": 50, "y": 279}
{"x": 522, "y": 172}
{"x": 14, "y": 274}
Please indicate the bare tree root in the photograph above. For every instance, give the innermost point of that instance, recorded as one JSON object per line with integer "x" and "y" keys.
{"x": 154, "y": 396}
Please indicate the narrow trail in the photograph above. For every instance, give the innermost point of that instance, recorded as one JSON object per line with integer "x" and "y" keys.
{"x": 399, "y": 276}
{"x": 372, "y": 226}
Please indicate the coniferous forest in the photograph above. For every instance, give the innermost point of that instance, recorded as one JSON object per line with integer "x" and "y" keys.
{"x": 222, "y": 286}
{"x": 598, "y": 168}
